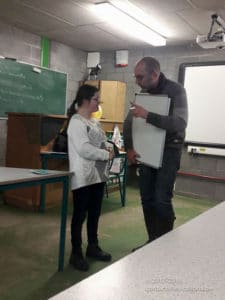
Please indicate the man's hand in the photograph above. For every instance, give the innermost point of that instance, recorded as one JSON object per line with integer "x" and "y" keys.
{"x": 138, "y": 111}
{"x": 132, "y": 156}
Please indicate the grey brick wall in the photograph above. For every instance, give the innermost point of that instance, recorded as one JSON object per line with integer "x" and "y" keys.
{"x": 170, "y": 59}
{"x": 25, "y": 47}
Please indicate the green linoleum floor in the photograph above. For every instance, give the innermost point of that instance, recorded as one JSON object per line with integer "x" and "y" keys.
{"x": 29, "y": 243}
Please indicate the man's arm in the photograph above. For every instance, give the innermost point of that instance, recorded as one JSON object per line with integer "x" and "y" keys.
{"x": 128, "y": 141}
{"x": 177, "y": 121}
{"x": 127, "y": 132}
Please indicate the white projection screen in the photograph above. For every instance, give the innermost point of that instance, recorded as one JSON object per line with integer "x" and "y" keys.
{"x": 205, "y": 87}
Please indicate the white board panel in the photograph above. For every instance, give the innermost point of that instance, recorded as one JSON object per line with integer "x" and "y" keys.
{"x": 149, "y": 140}
{"x": 205, "y": 87}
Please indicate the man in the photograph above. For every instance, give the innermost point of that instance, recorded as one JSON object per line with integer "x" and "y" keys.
{"x": 156, "y": 185}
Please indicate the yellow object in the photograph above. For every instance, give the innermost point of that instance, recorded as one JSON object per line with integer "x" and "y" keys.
{"x": 112, "y": 95}
{"x": 98, "y": 113}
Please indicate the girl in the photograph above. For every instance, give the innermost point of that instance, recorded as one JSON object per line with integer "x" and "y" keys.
{"x": 88, "y": 159}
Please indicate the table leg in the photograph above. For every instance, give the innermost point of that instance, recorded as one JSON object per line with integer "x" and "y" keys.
{"x": 43, "y": 187}
{"x": 63, "y": 224}
{"x": 124, "y": 182}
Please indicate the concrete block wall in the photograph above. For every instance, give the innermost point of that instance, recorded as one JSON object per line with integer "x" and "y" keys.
{"x": 26, "y": 47}
{"x": 170, "y": 59}
{"x": 206, "y": 165}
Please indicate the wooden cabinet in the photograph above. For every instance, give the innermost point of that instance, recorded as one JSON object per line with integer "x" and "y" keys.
{"x": 27, "y": 135}
{"x": 112, "y": 98}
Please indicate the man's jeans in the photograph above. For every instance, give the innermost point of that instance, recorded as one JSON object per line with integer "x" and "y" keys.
{"x": 156, "y": 185}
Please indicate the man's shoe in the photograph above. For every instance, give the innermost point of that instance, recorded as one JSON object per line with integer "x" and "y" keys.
{"x": 139, "y": 247}
{"x": 78, "y": 261}
{"x": 94, "y": 251}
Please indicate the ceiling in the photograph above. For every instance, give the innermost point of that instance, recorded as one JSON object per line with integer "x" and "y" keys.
{"x": 71, "y": 22}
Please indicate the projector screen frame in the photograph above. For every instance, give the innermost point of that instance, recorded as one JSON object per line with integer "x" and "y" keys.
{"x": 181, "y": 78}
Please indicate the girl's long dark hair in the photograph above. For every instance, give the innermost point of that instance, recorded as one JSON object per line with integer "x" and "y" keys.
{"x": 85, "y": 92}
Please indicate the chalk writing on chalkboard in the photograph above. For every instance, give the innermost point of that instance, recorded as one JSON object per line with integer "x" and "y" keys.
{"x": 25, "y": 88}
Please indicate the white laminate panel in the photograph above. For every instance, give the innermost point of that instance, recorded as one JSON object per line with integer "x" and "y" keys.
{"x": 187, "y": 263}
{"x": 149, "y": 140}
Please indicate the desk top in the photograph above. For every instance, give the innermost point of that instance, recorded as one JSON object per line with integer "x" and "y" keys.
{"x": 17, "y": 175}
{"x": 52, "y": 152}
{"x": 186, "y": 263}
{"x": 65, "y": 153}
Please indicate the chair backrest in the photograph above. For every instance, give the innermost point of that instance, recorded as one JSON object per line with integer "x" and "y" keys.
{"x": 118, "y": 165}
{"x": 118, "y": 176}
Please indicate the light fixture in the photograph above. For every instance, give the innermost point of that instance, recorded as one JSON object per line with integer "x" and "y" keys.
{"x": 128, "y": 22}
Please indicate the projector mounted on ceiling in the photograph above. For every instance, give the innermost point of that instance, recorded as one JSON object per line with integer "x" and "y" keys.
{"x": 218, "y": 42}
{"x": 216, "y": 39}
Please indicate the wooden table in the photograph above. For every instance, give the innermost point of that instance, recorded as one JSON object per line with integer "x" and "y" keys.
{"x": 12, "y": 178}
{"x": 187, "y": 263}
{"x": 45, "y": 156}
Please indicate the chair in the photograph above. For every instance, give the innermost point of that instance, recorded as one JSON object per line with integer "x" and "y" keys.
{"x": 118, "y": 178}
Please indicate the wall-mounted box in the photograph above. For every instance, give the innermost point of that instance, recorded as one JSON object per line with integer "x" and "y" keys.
{"x": 93, "y": 59}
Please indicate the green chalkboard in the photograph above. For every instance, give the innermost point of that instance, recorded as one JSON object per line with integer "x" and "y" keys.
{"x": 31, "y": 89}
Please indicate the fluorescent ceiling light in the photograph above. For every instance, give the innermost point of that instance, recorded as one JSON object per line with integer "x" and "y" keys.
{"x": 128, "y": 24}
{"x": 146, "y": 19}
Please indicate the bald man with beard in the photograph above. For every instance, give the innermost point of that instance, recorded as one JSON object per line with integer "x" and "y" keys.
{"x": 156, "y": 185}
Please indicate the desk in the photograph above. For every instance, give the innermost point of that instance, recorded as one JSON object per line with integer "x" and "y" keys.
{"x": 187, "y": 263}
{"x": 45, "y": 156}
{"x": 12, "y": 178}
